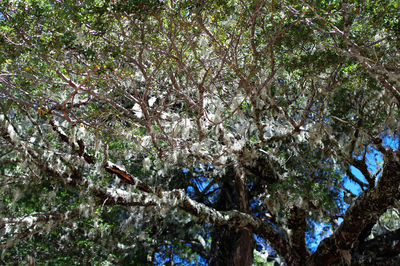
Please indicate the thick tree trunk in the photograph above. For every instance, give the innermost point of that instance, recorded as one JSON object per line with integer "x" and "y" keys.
{"x": 230, "y": 247}
{"x": 244, "y": 249}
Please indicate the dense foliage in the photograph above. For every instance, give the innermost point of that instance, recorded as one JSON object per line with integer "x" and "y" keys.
{"x": 149, "y": 132}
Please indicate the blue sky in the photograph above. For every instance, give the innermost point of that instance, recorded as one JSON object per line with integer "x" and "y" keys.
{"x": 374, "y": 161}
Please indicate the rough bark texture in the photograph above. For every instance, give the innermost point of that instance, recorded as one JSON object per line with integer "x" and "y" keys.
{"x": 230, "y": 247}
{"x": 246, "y": 242}
{"x": 298, "y": 226}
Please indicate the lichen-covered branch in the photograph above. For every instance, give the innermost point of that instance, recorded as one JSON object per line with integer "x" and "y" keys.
{"x": 177, "y": 198}
{"x": 33, "y": 224}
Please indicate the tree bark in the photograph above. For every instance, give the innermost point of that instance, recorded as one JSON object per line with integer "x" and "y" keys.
{"x": 381, "y": 250}
{"x": 229, "y": 246}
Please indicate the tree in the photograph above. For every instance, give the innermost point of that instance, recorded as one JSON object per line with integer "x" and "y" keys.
{"x": 143, "y": 130}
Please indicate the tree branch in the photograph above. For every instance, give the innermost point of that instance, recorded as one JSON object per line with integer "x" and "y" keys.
{"x": 381, "y": 249}
{"x": 203, "y": 213}
{"x": 298, "y": 225}
{"x": 365, "y": 210}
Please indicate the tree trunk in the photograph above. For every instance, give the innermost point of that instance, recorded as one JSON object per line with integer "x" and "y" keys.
{"x": 230, "y": 247}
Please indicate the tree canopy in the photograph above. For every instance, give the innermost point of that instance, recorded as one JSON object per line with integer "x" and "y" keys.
{"x": 149, "y": 131}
